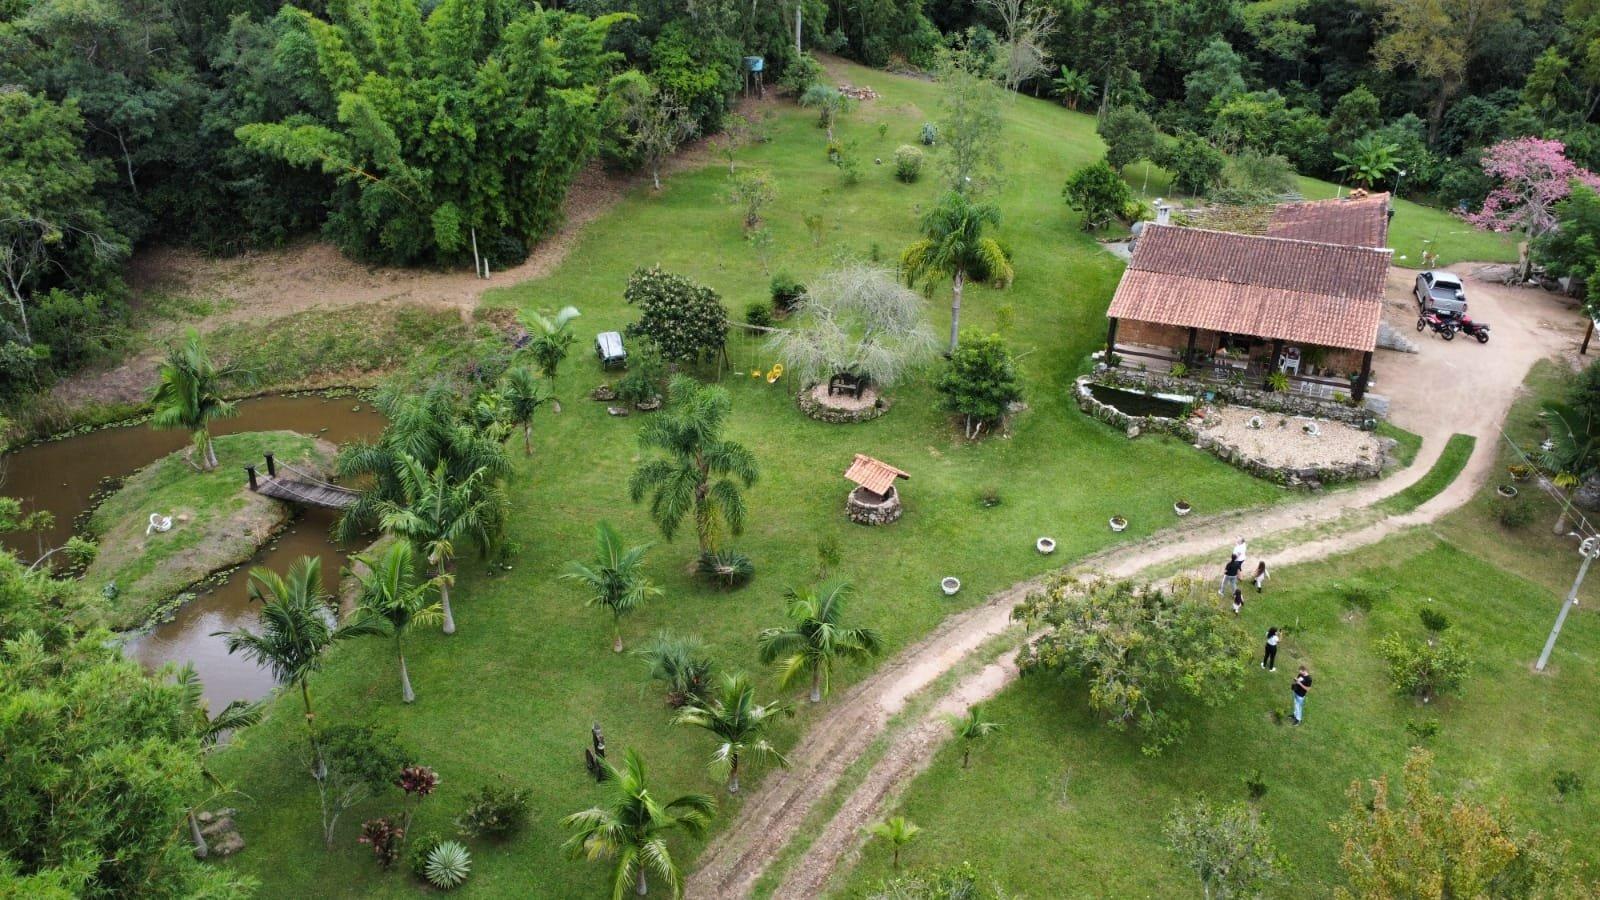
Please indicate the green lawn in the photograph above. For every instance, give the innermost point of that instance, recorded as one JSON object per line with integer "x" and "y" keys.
{"x": 513, "y": 694}
{"x": 217, "y": 522}
{"x": 1056, "y": 804}
{"x": 1416, "y": 228}
{"x": 1452, "y": 459}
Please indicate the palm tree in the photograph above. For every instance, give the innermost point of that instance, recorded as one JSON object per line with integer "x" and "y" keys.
{"x": 434, "y": 427}
{"x": 522, "y": 395}
{"x": 632, "y": 827}
{"x": 972, "y": 728}
{"x": 393, "y": 599}
{"x": 438, "y": 512}
{"x": 740, "y": 722}
{"x": 701, "y": 469}
{"x": 615, "y": 579}
{"x": 296, "y": 628}
{"x": 549, "y": 344}
{"x": 1369, "y": 160}
{"x": 209, "y": 730}
{"x": 681, "y": 663}
{"x": 898, "y": 831}
{"x": 954, "y": 247}
{"x": 1072, "y": 87}
{"x": 815, "y": 639}
{"x": 189, "y": 396}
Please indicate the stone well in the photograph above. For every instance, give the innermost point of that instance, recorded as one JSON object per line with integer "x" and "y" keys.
{"x": 868, "y": 508}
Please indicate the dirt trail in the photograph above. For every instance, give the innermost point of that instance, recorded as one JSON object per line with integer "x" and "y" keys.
{"x": 1442, "y": 390}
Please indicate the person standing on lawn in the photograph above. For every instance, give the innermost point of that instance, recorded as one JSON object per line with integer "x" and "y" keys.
{"x": 1261, "y": 575}
{"x": 1301, "y": 687}
{"x": 1230, "y": 576}
{"x": 1238, "y": 601}
{"x": 1239, "y": 551}
{"x": 1269, "y": 659}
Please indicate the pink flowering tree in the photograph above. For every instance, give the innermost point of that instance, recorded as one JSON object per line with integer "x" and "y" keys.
{"x": 1532, "y": 175}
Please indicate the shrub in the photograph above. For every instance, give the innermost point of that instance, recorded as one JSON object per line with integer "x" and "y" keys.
{"x": 989, "y": 497}
{"x": 1512, "y": 512}
{"x": 495, "y": 812}
{"x": 728, "y": 568}
{"x": 750, "y": 191}
{"x": 681, "y": 663}
{"x": 1255, "y": 785}
{"x": 417, "y": 855}
{"x": 1178, "y": 370}
{"x": 1424, "y": 669}
{"x": 1196, "y": 166}
{"x": 1422, "y": 729}
{"x": 786, "y": 292}
{"x": 385, "y": 838}
{"x": 930, "y": 134}
{"x": 1567, "y": 782}
{"x": 1363, "y": 595}
{"x": 759, "y": 314}
{"x": 1433, "y": 620}
{"x": 907, "y": 163}
{"x": 848, "y": 161}
{"x": 448, "y": 865}
{"x": 980, "y": 383}
{"x": 800, "y": 74}
{"x": 1099, "y": 193}
{"x": 642, "y": 382}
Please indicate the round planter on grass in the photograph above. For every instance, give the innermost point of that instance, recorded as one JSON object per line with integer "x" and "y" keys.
{"x": 1506, "y": 490}
{"x": 1118, "y": 523}
{"x": 1045, "y": 545}
{"x": 950, "y": 585}
{"x": 1182, "y": 508}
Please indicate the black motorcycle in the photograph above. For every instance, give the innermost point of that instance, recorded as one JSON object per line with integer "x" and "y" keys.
{"x": 1443, "y": 327}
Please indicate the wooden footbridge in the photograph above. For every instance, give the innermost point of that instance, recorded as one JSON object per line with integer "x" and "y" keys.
{"x": 299, "y": 487}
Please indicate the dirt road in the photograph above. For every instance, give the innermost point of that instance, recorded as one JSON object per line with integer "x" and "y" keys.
{"x": 1444, "y": 389}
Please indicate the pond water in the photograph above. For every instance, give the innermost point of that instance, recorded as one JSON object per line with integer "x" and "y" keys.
{"x": 1136, "y": 404}
{"x": 62, "y": 476}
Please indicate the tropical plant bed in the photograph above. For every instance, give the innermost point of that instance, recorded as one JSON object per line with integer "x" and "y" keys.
{"x": 217, "y": 522}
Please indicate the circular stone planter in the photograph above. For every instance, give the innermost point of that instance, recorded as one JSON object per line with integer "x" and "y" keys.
{"x": 866, "y": 508}
{"x": 1182, "y": 508}
{"x": 1506, "y": 490}
{"x": 839, "y": 410}
{"x": 949, "y": 585}
{"x": 1117, "y": 523}
{"x": 1045, "y": 545}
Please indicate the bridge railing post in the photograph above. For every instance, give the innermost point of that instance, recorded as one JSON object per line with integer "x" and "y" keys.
{"x": 272, "y": 465}
{"x": 251, "y": 471}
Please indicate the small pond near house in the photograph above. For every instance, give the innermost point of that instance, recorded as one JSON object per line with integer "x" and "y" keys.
{"x": 1136, "y": 404}
{"x": 62, "y": 477}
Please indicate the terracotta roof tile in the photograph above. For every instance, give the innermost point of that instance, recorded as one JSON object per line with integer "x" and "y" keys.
{"x": 1268, "y": 287}
{"x": 1359, "y": 222}
{"x": 874, "y": 475}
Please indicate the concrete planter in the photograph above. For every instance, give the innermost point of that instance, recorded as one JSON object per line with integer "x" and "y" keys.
{"x": 950, "y": 585}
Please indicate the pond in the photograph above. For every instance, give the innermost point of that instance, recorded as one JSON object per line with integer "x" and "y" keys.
{"x": 1136, "y": 404}
{"x": 62, "y": 477}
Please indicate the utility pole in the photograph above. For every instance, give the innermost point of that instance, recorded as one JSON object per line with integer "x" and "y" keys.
{"x": 1589, "y": 550}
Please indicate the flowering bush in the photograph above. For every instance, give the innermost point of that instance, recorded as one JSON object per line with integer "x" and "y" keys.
{"x": 1532, "y": 175}
{"x": 685, "y": 321}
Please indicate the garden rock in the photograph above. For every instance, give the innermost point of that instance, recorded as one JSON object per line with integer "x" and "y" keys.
{"x": 618, "y": 411}
{"x": 221, "y": 834}
{"x": 603, "y": 393}
{"x": 1587, "y": 496}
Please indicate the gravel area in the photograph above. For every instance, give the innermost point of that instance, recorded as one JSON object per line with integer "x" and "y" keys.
{"x": 844, "y": 401}
{"x": 1289, "y": 445}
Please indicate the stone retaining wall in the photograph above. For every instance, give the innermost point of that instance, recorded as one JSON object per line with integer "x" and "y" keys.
{"x": 1290, "y": 404}
{"x": 1311, "y": 477}
{"x": 809, "y": 405}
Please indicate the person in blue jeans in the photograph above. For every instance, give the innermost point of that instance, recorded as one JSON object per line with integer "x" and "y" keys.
{"x": 1301, "y": 687}
{"x": 1230, "y": 577}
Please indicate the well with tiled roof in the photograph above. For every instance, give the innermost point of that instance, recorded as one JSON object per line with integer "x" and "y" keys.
{"x": 875, "y": 475}
{"x": 1283, "y": 290}
{"x": 1361, "y": 221}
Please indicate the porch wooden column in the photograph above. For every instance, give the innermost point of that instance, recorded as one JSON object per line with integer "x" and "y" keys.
{"x": 1272, "y": 364}
{"x": 1359, "y": 389}
{"x": 1188, "y": 354}
{"x": 1111, "y": 337}
{"x": 1587, "y": 334}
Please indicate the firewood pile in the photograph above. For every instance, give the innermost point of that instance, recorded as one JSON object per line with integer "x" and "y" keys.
{"x": 858, "y": 93}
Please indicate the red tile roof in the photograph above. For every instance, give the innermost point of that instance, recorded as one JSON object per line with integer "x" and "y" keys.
{"x": 874, "y": 475}
{"x": 1358, "y": 222}
{"x": 1296, "y": 291}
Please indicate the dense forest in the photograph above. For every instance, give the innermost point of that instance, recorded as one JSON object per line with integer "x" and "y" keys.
{"x": 443, "y": 133}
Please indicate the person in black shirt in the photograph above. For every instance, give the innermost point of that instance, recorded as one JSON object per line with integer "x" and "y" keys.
{"x": 1301, "y": 687}
{"x": 1230, "y": 576}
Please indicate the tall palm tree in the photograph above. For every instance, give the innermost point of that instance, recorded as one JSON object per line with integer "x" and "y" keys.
{"x": 954, "y": 248}
{"x": 898, "y": 831}
{"x": 434, "y": 427}
{"x": 438, "y": 512}
{"x": 522, "y": 394}
{"x": 632, "y": 827}
{"x": 701, "y": 470}
{"x": 615, "y": 579}
{"x": 972, "y": 728}
{"x": 549, "y": 344}
{"x": 393, "y": 599}
{"x": 297, "y": 627}
{"x": 740, "y": 722}
{"x": 189, "y": 396}
{"x": 209, "y": 730}
{"x": 815, "y": 639}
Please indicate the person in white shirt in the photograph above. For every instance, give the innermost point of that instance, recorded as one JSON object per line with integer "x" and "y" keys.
{"x": 1239, "y": 551}
{"x": 1269, "y": 660}
{"x": 1261, "y": 575}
